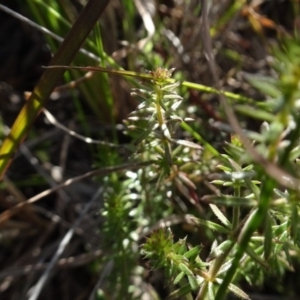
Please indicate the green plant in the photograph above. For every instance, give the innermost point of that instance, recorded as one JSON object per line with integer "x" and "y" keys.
{"x": 212, "y": 215}
{"x": 257, "y": 240}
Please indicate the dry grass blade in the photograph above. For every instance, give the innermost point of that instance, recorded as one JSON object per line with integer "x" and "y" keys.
{"x": 62, "y": 245}
{"x": 69, "y": 262}
{"x": 104, "y": 171}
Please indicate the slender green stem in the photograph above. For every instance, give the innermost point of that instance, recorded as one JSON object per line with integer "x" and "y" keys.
{"x": 200, "y": 139}
{"x": 214, "y": 270}
{"x": 160, "y": 117}
{"x": 236, "y": 209}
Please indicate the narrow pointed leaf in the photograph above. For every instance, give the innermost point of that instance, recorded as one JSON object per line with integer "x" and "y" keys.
{"x": 219, "y": 250}
{"x": 229, "y": 200}
{"x": 238, "y": 292}
{"x": 220, "y": 215}
{"x": 178, "y": 278}
{"x": 257, "y": 258}
{"x": 188, "y": 144}
{"x": 193, "y": 253}
{"x": 193, "y": 282}
{"x": 180, "y": 292}
{"x": 209, "y": 224}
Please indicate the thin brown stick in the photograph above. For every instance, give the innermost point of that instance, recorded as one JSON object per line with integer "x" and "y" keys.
{"x": 68, "y": 262}
{"x": 104, "y": 171}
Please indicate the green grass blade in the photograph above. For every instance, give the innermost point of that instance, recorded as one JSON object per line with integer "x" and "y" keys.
{"x": 47, "y": 82}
